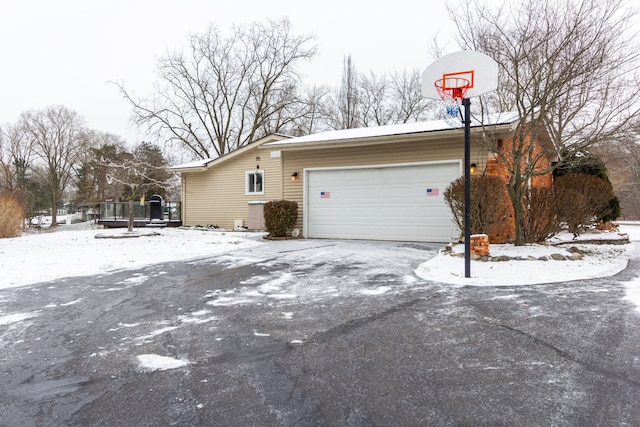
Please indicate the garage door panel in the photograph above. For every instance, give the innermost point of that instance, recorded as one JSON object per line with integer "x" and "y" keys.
{"x": 388, "y": 203}
{"x": 434, "y": 211}
{"x": 400, "y": 212}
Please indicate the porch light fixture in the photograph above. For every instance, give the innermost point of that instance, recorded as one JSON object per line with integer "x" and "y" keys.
{"x": 473, "y": 167}
{"x": 294, "y": 176}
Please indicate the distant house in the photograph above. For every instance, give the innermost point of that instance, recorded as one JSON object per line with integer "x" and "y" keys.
{"x": 380, "y": 183}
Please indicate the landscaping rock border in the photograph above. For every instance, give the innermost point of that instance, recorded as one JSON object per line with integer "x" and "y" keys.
{"x": 269, "y": 237}
{"x": 576, "y": 255}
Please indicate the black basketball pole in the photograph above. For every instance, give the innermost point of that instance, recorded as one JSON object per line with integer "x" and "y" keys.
{"x": 467, "y": 187}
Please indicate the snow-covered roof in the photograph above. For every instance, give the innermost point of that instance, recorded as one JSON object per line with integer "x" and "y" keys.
{"x": 194, "y": 164}
{"x": 358, "y": 133}
{"x": 203, "y": 163}
{"x": 399, "y": 129}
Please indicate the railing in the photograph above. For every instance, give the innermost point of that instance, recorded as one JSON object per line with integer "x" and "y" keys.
{"x": 118, "y": 211}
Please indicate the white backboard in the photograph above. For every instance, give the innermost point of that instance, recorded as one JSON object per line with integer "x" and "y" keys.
{"x": 478, "y": 69}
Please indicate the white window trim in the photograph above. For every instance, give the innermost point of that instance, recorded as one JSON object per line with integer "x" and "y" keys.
{"x": 247, "y": 174}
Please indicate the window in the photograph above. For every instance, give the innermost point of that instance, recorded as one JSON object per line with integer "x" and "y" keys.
{"x": 254, "y": 182}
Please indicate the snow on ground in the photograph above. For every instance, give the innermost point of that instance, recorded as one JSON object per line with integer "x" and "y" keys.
{"x": 600, "y": 260}
{"x": 47, "y": 256}
{"x": 15, "y": 318}
{"x": 51, "y": 255}
{"x": 155, "y": 362}
{"x": 633, "y": 292}
{"x": 75, "y": 251}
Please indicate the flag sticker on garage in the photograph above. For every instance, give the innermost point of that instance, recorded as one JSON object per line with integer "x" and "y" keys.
{"x": 433, "y": 191}
{"x": 325, "y": 195}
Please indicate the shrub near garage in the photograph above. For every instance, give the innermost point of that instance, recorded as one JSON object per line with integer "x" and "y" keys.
{"x": 280, "y": 216}
{"x": 582, "y": 199}
{"x": 11, "y": 217}
{"x": 489, "y": 206}
{"x": 541, "y": 215}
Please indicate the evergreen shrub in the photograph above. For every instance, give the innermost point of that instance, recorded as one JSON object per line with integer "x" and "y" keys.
{"x": 280, "y": 216}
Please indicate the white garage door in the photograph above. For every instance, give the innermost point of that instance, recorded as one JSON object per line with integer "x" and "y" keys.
{"x": 404, "y": 203}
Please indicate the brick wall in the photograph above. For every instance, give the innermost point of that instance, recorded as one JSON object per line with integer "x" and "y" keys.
{"x": 503, "y": 230}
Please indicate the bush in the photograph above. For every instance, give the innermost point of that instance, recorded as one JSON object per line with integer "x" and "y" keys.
{"x": 614, "y": 210}
{"x": 583, "y": 199}
{"x": 280, "y": 216}
{"x": 488, "y": 203}
{"x": 541, "y": 215}
{"x": 11, "y": 217}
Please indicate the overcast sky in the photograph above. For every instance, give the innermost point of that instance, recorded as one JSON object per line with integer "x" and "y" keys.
{"x": 64, "y": 52}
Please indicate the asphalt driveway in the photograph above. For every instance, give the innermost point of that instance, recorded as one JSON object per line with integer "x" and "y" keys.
{"x": 274, "y": 337}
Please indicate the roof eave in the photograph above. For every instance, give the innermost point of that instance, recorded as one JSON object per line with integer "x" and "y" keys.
{"x": 256, "y": 144}
{"x": 191, "y": 169}
{"x": 382, "y": 139}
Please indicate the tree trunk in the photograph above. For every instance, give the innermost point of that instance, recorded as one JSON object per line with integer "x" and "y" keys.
{"x": 130, "y": 215}
{"x": 54, "y": 210}
{"x": 515, "y": 191}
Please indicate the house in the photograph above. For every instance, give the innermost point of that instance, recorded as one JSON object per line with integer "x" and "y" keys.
{"x": 380, "y": 183}
{"x": 220, "y": 191}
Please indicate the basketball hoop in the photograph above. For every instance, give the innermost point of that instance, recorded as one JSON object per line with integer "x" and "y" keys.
{"x": 455, "y": 79}
{"x": 452, "y": 90}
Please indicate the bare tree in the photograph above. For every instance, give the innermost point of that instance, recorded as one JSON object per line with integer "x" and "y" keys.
{"x": 565, "y": 66}
{"x": 622, "y": 157}
{"x": 225, "y": 92}
{"x": 347, "y": 104}
{"x": 378, "y": 100}
{"x": 16, "y": 152}
{"x": 407, "y": 102}
{"x": 90, "y": 172}
{"x": 140, "y": 174}
{"x": 315, "y": 112}
{"x": 5, "y": 164}
{"x": 376, "y": 108}
{"x": 55, "y": 134}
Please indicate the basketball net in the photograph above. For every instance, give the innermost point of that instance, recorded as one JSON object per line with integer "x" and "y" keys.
{"x": 452, "y": 90}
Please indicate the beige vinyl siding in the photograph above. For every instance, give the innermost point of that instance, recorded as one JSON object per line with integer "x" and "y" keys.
{"x": 216, "y": 196}
{"x": 382, "y": 154}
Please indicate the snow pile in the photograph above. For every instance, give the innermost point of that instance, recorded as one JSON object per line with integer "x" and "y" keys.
{"x": 633, "y": 292}
{"x": 602, "y": 261}
{"x": 15, "y": 318}
{"x": 599, "y": 261}
{"x": 154, "y": 362}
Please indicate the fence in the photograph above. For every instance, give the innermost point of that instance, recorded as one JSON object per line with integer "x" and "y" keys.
{"x": 118, "y": 211}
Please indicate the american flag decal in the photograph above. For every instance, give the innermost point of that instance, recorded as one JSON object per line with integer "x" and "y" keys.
{"x": 325, "y": 195}
{"x": 432, "y": 192}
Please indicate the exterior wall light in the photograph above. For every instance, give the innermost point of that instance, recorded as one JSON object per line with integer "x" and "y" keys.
{"x": 473, "y": 167}
{"x": 294, "y": 176}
